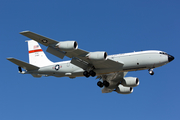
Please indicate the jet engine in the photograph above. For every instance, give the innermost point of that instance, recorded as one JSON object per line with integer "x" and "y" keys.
{"x": 67, "y": 46}
{"x": 130, "y": 82}
{"x": 124, "y": 90}
{"x": 97, "y": 56}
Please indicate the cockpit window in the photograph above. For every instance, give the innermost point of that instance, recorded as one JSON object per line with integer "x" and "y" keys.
{"x": 163, "y": 53}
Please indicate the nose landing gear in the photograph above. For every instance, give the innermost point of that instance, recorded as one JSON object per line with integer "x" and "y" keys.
{"x": 151, "y": 72}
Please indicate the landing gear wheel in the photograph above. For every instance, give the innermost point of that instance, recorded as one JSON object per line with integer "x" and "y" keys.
{"x": 86, "y": 74}
{"x": 92, "y": 73}
{"x": 106, "y": 83}
{"x": 151, "y": 72}
{"x": 100, "y": 84}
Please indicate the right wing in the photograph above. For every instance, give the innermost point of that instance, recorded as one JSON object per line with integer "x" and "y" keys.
{"x": 40, "y": 39}
{"x": 79, "y": 56}
{"x": 50, "y": 43}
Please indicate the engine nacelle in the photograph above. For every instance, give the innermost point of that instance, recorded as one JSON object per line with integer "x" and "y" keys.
{"x": 97, "y": 56}
{"x": 130, "y": 82}
{"x": 67, "y": 46}
{"x": 124, "y": 90}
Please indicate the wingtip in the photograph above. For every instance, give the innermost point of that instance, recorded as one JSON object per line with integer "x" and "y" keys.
{"x": 9, "y": 58}
{"x": 24, "y": 32}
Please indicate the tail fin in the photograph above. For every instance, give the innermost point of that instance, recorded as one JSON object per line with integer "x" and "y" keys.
{"x": 36, "y": 55}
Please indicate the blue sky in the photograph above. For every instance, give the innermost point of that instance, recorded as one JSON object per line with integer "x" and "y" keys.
{"x": 116, "y": 26}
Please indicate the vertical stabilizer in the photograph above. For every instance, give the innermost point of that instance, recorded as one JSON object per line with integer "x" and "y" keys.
{"x": 36, "y": 54}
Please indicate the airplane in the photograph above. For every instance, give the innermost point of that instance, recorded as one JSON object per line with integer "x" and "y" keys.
{"x": 109, "y": 69}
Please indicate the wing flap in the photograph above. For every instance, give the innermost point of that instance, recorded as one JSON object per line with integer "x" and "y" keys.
{"x": 108, "y": 64}
{"x": 22, "y": 64}
{"x": 55, "y": 52}
{"x": 79, "y": 63}
{"x": 77, "y": 53}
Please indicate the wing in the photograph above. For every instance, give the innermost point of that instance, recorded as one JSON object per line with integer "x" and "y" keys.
{"x": 114, "y": 79}
{"x": 40, "y": 39}
{"x": 50, "y": 43}
{"x": 79, "y": 57}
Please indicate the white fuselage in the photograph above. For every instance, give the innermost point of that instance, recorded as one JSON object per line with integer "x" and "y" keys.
{"x": 132, "y": 62}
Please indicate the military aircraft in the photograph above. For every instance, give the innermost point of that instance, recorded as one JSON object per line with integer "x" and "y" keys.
{"x": 109, "y": 69}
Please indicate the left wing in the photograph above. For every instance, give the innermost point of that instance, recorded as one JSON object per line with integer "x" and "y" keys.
{"x": 80, "y": 58}
{"x": 114, "y": 80}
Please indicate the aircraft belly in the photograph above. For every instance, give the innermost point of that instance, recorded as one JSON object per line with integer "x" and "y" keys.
{"x": 57, "y": 70}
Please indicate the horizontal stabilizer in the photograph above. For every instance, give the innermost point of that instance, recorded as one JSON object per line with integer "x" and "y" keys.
{"x": 22, "y": 64}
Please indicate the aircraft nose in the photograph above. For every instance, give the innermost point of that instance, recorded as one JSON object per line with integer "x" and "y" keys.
{"x": 170, "y": 58}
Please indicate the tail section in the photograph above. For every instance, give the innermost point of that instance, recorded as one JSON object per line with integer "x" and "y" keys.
{"x": 36, "y": 55}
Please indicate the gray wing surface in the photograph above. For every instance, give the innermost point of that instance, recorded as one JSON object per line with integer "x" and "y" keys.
{"x": 78, "y": 56}
{"x": 39, "y": 38}
{"x": 114, "y": 79}
{"x": 50, "y": 44}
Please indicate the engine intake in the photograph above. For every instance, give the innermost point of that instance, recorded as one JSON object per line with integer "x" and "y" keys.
{"x": 130, "y": 82}
{"x": 124, "y": 90}
{"x": 97, "y": 56}
{"x": 67, "y": 46}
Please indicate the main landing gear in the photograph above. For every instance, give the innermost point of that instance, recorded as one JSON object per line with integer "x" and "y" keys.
{"x": 151, "y": 72}
{"x": 104, "y": 83}
{"x": 93, "y": 74}
{"x": 90, "y": 73}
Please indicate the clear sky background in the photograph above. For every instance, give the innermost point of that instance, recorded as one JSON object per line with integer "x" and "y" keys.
{"x": 114, "y": 26}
